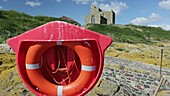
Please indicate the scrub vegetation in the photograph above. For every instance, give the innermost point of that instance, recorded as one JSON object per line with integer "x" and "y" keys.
{"x": 131, "y": 33}
{"x": 139, "y": 43}
{"x": 13, "y": 23}
{"x": 150, "y": 54}
{"x": 10, "y": 82}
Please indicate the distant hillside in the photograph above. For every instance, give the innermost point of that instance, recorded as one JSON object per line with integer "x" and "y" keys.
{"x": 13, "y": 23}
{"x": 132, "y": 33}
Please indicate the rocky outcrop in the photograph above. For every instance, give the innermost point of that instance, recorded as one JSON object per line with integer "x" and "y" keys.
{"x": 5, "y": 48}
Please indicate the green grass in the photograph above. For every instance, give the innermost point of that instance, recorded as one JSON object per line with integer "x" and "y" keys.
{"x": 13, "y": 23}
{"x": 131, "y": 33}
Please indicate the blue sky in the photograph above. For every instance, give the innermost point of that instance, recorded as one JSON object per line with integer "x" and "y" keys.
{"x": 138, "y": 12}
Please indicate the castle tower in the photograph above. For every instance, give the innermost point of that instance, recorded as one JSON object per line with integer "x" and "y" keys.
{"x": 97, "y": 16}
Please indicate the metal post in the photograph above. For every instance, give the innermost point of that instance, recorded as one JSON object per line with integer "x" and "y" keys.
{"x": 161, "y": 62}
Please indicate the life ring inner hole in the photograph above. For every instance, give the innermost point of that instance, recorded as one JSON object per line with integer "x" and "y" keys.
{"x": 60, "y": 65}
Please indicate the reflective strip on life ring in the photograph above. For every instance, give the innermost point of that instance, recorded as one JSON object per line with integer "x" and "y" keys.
{"x": 45, "y": 87}
{"x": 32, "y": 66}
{"x": 60, "y": 90}
{"x": 88, "y": 68}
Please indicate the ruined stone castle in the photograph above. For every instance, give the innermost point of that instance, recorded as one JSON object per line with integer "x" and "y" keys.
{"x": 97, "y": 16}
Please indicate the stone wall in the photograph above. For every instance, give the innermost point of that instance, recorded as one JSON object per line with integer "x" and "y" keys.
{"x": 110, "y": 15}
{"x": 122, "y": 77}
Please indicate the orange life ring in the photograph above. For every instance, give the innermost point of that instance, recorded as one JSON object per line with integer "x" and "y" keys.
{"x": 45, "y": 87}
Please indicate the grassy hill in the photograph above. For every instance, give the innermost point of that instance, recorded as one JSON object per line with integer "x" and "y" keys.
{"x": 13, "y": 23}
{"x": 139, "y": 43}
{"x": 132, "y": 33}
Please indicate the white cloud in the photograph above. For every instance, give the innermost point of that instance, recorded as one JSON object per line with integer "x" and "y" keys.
{"x": 86, "y": 1}
{"x": 1, "y": 7}
{"x": 82, "y": 1}
{"x": 139, "y": 21}
{"x": 58, "y": 0}
{"x": 165, "y": 4}
{"x": 146, "y": 20}
{"x": 154, "y": 17}
{"x": 154, "y": 25}
{"x": 32, "y": 3}
{"x": 150, "y": 19}
{"x": 5, "y": 0}
{"x": 165, "y": 26}
{"x": 94, "y": 3}
{"x": 115, "y": 6}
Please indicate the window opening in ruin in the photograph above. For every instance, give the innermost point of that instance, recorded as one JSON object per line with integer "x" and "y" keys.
{"x": 93, "y": 19}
